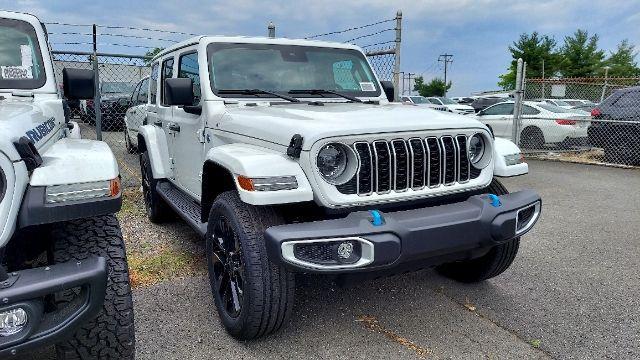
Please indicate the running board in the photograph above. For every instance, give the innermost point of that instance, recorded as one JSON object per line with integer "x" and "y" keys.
{"x": 181, "y": 203}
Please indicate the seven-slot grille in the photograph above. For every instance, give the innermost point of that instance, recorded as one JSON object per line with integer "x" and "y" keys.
{"x": 415, "y": 163}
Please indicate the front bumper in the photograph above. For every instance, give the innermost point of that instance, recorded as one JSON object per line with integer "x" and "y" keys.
{"x": 419, "y": 237}
{"x": 27, "y": 289}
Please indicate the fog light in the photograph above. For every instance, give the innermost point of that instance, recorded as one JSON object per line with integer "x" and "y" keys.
{"x": 345, "y": 250}
{"x": 12, "y": 321}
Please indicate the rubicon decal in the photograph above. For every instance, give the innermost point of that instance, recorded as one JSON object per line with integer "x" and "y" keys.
{"x": 41, "y": 131}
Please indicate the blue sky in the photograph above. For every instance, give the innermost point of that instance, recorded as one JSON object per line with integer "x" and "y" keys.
{"x": 476, "y": 32}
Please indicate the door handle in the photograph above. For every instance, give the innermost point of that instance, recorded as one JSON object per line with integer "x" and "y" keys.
{"x": 174, "y": 127}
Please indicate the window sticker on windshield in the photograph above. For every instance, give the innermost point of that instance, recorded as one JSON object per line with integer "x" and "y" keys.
{"x": 367, "y": 86}
{"x": 26, "y": 55}
{"x": 16, "y": 72}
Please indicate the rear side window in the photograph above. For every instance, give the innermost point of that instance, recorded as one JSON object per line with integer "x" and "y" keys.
{"x": 528, "y": 110}
{"x": 188, "y": 68}
{"x": 143, "y": 95}
{"x": 153, "y": 88}
{"x": 167, "y": 73}
{"x": 500, "y": 109}
{"x": 629, "y": 99}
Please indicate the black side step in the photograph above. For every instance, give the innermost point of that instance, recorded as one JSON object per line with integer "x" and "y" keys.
{"x": 183, "y": 204}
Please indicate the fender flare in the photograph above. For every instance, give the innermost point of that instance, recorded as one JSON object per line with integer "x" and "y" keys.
{"x": 153, "y": 139}
{"x": 501, "y": 148}
{"x": 257, "y": 162}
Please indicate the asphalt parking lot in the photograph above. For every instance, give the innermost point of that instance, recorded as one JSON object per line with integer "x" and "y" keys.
{"x": 572, "y": 293}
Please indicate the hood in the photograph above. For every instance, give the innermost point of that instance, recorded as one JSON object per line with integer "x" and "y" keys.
{"x": 278, "y": 123}
{"x": 20, "y": 118}
{"x": 462, "y": 107}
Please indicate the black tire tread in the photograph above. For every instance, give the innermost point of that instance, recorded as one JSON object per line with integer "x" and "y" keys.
{"x": 272, "y": 286}
{"x": 490, "y": 265}
{"x": 111, "y": 334}
{"x": 159, "y": 211}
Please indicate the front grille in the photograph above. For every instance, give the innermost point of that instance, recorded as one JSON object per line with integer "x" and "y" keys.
{"x": 402, "y": 164}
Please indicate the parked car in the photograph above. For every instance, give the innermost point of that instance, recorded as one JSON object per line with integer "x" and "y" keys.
{"x": 136, "y": 114}
{"x": 542, "y": 123}
{"x": 578, "y": 102}
{"x": 558, "y": 102}
{"x": 114, "y": 101}
{"x": 64, "y": 278}
{"x": 465, "y": 100}
{"x": 619, "y": 132}
{"x": 482, "y": 103}
{"x": 451, "y": 105}
{"x": 282, "y": 173}
{"x": 422, "y": 101}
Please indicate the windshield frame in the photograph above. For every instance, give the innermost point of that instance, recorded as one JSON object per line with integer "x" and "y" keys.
{"x": 215, "y": 46}
{"x": 25, "y": 84}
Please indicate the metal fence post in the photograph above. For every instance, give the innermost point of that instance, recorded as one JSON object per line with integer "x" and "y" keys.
{"x": 518, "y": 97}
{"x": 271, "y": 30}
{"x": 96, "y": 99}
{"x": 396, "y": 65}
{"x": 604, "y": 86}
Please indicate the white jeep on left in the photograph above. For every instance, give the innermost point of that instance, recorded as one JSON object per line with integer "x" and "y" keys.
{"x": 63, "y": 270}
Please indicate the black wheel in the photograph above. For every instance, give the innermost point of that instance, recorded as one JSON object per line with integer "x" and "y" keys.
{"x": 532, "y": 138}
{"x": 157, "y": 210}
{"x": 253, "y": 296}
{"x": 111, "y": 334}
{"x": 493, "y": 263}
{"x": 127, "y": 143}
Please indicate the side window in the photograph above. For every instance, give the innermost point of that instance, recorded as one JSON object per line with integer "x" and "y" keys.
{"x": 188, "y": 68}
{"x": 153, "y": 89}
{"x": 166, "y": 73}
{"x": 628, "y": 99}
{"x": 528, "y": 110}
{"x": 500, "y": 109}
{"x": 143, "y": 94}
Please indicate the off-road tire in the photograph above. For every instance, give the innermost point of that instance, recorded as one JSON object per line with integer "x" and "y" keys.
{"x": 111, "y": 334}
{"x": 268, "y": 293}
{"x": 157, "y": 209}
{"x": 493, "y": 263}
{"x": 532, "y": 138}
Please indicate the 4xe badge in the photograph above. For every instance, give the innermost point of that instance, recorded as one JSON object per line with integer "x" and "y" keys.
{"x": 41, "y": 131}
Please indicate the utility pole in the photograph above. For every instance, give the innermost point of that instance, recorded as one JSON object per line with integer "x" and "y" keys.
{"x": 409, "y": 77}
{"x": 543, "y": 94}
{"x": 447, "y": 59}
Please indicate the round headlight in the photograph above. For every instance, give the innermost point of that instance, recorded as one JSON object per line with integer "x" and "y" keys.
{"x": 476, "y": 148}
{"x": 332, "y": 161}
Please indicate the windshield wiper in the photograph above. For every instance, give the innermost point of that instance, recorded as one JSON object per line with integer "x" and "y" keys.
{"x": 257, "y": 92}
{"x": 322, "y": 91}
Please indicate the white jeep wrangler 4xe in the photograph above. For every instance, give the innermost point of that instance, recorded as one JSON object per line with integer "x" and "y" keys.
{"x": 288, "y": 157}
{"x": 63, "y": 269}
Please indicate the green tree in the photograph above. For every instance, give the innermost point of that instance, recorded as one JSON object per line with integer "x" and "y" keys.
{"x": 622, "y": 62}
{"x": 150, "y": 54}
{"x": 435, "y": 87}
{"x": 537, "y": 51}
{"x": 580, "y": 55}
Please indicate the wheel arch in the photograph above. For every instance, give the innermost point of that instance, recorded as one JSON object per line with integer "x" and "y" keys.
{"x": 216, "y": 179}
{"x": 152, "y": 139}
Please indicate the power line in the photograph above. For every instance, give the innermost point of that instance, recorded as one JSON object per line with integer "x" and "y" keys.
{"x": 446, "y": 59}
{"x": 350, "y": 29}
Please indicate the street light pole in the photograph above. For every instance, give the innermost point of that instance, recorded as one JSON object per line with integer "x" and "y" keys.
{"x": 604, "y": 86}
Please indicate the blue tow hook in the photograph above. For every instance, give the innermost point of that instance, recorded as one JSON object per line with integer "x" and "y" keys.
{"x": 376, "y": 218}
{"x": 495, "y": 200}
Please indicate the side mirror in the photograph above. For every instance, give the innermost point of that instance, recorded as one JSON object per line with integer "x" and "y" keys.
{"x": 387, "y": 87}
{"x": 78, "y": 84}
{"x": 178, "y": 92}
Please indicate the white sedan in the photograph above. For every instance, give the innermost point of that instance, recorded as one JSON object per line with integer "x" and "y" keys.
{"x": 542, "y": 123}
{"x": 422, "y": 101}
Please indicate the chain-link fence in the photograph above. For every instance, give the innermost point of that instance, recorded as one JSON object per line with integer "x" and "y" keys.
{"x": 103, "y": 118}
{"x": 579, "y": 119}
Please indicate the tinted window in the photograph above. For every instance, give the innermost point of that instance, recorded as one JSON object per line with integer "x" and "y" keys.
{"x": 629, "y": 99}
{"x": 143, "y": 95}
{"x": 188, "y": 68}
{"x": 167, "y": 73}
{"x": 21, "y": 65}
{"x": 528, "y": 110}
{"x": 499, "y": 109}
{"x": 153, "y": 89}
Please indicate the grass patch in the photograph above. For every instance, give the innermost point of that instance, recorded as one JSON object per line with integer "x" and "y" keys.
{"x": 535, "y": 343}
{"x": 132, "y": 203}
{"x": 165, "y": 264}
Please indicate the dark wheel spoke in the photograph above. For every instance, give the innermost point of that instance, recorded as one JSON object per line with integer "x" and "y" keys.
{"x": 226, "y": 265}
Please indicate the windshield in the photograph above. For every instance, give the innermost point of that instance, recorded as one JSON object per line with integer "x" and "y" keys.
{"x": 447, "y": 101}
{"x": 21, "y": 65}
{"x": 282, "y": 68}
{"x": 419, "y": 100}
{"x": 116, "y": 88}
{"x": 554, "y": 109}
